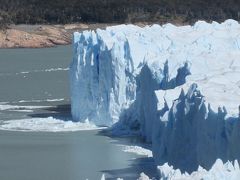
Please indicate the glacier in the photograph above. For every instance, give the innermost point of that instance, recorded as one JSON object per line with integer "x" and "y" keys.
{"x": 176, "y": 86}
{"x": 104, "y": 69}
{"x": 190, "y": 128}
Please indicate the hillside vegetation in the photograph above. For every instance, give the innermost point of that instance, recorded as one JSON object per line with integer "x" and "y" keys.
{"x": 116, "y": 11}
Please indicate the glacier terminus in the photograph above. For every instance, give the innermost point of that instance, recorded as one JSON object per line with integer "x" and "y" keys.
{"x": 176, "y": 86}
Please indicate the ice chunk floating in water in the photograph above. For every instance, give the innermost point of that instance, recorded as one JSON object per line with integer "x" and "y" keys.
{"x": 137, "y": 150}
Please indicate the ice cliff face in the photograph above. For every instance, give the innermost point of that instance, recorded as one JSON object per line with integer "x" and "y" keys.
{"x": 190, "y": 128}
{"x": 176, "y": 86}
{"x": 102, "y": 80}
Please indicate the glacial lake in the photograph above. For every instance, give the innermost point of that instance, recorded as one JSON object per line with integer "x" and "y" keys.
{"x": 34, "y": 84}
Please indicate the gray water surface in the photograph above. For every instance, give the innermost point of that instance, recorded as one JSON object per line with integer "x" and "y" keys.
{"x": 32, "y": 77}
{"x": 65, "y": 156}
{"x": 33, "y": 73}
{"x": 29, "y": 77}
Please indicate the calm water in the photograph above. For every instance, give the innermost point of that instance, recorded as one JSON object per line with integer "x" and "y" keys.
{"x": 39, "y": 78}
{"x": 30, "y": 77}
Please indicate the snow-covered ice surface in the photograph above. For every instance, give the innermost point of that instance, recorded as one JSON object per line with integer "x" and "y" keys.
{"x": 49, "y": 124}
{"x": 176, "y": 86}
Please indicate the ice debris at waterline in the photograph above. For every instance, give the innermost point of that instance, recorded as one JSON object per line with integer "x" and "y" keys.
{"x": 176, "y": 86}
{"x": 48, "y": 124}
{"x": 219, "y": 171}
{"x": 137, "y": 150}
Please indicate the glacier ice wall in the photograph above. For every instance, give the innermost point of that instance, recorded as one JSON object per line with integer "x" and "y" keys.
{"x": 106, "y": 65}
{"x": 101, "y": 77}
{"x": 176, "y": 86}
{"x": 192, "y": 134}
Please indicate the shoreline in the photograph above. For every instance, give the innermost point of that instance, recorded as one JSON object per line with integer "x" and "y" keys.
{"x": 46, "y": 36}
{"x": 42, "y": 36}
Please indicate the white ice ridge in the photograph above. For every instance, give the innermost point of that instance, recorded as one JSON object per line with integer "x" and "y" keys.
{"x": 49, "y": 124}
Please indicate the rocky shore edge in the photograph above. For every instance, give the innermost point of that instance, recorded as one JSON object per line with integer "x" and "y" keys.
{"x": 41, "y": 36}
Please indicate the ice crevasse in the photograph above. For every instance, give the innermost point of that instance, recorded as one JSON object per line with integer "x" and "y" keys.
{"x": 178, "y": 86}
